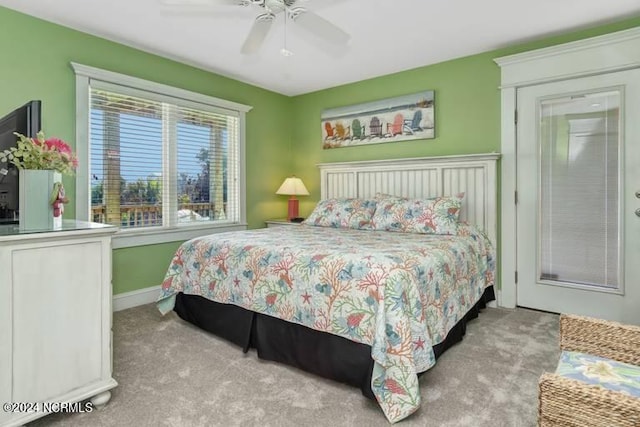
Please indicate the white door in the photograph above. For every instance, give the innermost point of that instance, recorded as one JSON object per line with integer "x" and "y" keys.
{"x": 578, "y": 191}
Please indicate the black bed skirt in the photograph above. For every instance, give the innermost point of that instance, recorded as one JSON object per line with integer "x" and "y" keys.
{"x": 320, "y": 353}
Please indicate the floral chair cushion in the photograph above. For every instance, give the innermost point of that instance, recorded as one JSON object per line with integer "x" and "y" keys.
{"x": 426, "y": 216}
{"x": 343, "y": 213}
{"x": 606, "y": 373}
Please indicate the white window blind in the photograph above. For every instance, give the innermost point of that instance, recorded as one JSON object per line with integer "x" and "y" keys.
{"x": 580, "y": 195}
{"x": 158, "y": 161}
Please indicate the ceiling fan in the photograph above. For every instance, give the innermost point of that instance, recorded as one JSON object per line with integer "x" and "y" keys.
{"x": 271, "y": 9}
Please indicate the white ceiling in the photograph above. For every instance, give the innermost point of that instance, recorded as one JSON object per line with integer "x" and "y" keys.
{"x": 386, "y": 35}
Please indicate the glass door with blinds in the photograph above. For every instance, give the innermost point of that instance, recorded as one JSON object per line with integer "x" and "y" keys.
{"x": 579, "y": 203}
{"x": 160, "y": 162}
{"x": 578, "y": 162}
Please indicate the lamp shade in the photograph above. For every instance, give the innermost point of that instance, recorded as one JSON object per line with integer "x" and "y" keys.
{"x": 293, "y": 186}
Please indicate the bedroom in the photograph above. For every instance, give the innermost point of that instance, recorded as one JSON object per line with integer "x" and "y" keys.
{"x": 277, "y": 145}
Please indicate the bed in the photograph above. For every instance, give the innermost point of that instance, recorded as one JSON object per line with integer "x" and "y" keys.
{"x": 351, "y": 300}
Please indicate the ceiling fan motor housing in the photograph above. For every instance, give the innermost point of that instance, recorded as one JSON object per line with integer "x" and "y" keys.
{"x": 277, "y": 6}
{"x": 309, "y": 21}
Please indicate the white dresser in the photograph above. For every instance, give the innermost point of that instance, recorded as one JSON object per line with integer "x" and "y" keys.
{"x": 55, "y": 317}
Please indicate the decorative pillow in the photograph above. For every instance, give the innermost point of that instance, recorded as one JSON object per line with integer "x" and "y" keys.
{"x": 427, "y": 216}
{"x": 343, "y": 213}
{"x": 606, "y": 373}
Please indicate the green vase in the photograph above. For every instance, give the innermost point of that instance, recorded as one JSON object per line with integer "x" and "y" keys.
{"x": 34, "y": 192}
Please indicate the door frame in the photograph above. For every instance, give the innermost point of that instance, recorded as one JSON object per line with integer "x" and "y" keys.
{"x": 597, "y": 55}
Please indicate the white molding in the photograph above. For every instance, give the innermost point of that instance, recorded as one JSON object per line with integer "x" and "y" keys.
{"x": 590, "y": 43}
{"x": 242, "y": 164}
{"x": 597, "y": 55}
{"x": 137, "y": 83}
{"x": 611, "y": 52}
{"x": 135, "y": 298}
{"x": 83, "y": 202}
{"x": 151, "y": 236}
{"x": 393, "y": 163}
{"x": 508, "y": 188}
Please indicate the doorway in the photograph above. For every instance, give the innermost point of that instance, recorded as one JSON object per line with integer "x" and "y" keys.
{"x": 578, "y": 163}
{"x": 570, "y": 178}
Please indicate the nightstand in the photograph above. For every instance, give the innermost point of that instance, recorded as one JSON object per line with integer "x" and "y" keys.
{"x": 279, "y": 223}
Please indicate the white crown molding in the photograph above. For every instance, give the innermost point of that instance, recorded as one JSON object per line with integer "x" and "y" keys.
{"x": 590, "y": 43}
{"x": 597, "y": 55}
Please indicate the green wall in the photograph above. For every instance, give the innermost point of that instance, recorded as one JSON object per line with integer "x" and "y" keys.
{"x": 283, "y": 134}
{"x": 467, "y": 114}
{"x": 35, "y": 65}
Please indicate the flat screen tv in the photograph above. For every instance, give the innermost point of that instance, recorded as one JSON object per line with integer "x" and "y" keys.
{"x": 24, "y": 120}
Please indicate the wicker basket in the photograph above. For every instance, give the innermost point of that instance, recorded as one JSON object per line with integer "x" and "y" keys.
{"x": 568, "y": 402}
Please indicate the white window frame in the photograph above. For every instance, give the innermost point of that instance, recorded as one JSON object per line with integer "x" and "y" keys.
{"x": 85, "y": 75}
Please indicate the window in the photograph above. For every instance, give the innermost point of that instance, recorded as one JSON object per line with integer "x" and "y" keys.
{"x": 158, "y": 158}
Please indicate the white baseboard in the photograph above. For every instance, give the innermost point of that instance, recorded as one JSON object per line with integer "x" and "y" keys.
{"x": 135, "y": 298}
{"x": 500, "y": 301}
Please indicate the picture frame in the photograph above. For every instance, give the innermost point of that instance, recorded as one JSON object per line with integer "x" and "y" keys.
{"x": 396, "y": 119}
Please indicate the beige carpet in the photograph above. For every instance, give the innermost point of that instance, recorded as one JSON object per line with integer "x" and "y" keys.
{"x": 172, "y": 374}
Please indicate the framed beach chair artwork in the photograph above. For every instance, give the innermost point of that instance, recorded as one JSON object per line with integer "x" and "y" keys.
{"x": 402, "y": 118}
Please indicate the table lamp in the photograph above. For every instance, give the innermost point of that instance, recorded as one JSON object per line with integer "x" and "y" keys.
{"x": 293, "y": 186}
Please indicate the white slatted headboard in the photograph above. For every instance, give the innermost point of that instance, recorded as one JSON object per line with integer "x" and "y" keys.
{"x": 424, "y": 177}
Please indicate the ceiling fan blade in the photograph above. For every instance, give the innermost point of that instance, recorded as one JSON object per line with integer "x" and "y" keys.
{"x": 319, "y": 26}
{"x": 258, "y": 33}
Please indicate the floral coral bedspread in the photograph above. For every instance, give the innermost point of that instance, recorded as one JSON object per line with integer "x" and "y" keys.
{"x": 400, "y": 293}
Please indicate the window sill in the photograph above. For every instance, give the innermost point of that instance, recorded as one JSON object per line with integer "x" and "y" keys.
{"x": 153, "y": 236}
